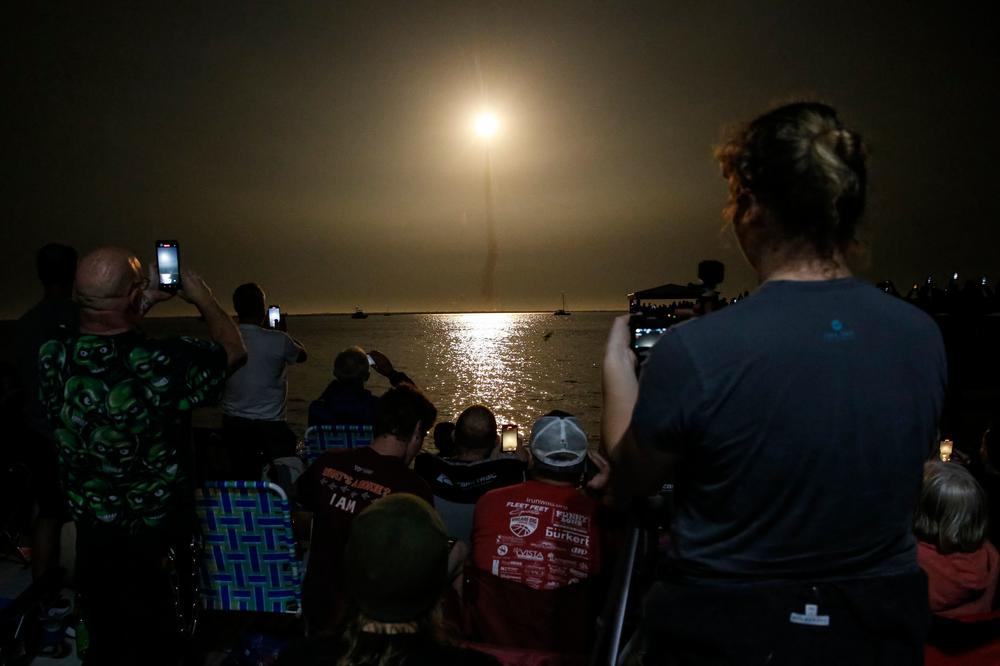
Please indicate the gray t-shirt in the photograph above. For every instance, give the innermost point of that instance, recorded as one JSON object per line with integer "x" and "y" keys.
{"x": 802, "y": 416}
{"x": 258, "y": 390}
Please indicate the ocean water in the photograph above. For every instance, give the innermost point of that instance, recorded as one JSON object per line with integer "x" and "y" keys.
{"x": 521, "y": 365}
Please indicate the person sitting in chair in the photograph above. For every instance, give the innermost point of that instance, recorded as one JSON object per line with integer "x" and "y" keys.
{"x": 962, "y": 566}
{"x": 474, "y": 467}
{"x": 345, "y": 400}
{"x": 341, "y": 483}
{"x": 543, "y": 532}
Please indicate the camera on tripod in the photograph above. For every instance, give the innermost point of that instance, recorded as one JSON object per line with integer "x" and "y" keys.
{"x": 653, "y": 311}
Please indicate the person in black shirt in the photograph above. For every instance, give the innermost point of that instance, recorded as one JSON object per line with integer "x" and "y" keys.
{"x": 56, "y": 314}
{"x": 794, "y": 426}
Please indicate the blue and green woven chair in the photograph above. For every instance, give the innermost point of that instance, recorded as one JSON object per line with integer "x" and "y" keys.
{"x": 323, "y": 438}
{"x": 248, "y": 558}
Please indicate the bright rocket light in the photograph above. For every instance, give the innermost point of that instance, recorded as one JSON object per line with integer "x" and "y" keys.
{"x": 486, "y": 125}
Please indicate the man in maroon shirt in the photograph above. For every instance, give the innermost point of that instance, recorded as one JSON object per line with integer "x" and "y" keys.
{"x": 341, "y": 484}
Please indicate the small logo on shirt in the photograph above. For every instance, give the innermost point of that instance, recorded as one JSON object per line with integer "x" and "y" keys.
{"x": 837, "y": 332}
{"x": 810, "y": 617}
{"x": 523, "y": 526}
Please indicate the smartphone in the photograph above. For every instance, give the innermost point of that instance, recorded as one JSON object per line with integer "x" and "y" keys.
{"x": 168, "y": 265}
{"x": 508, "y": 438}
{"x": 273, "y": 315}
{"x": 371, "y": 361}
{"x": 644, "y": 337}
{"x": 945, "y": 449}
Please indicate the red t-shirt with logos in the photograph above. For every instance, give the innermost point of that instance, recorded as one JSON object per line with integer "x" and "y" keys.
{"x": 542, "y": 535}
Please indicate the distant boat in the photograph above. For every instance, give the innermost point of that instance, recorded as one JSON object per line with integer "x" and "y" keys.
{"x": 359, "y": 313}
{"x": 562, "y": 312}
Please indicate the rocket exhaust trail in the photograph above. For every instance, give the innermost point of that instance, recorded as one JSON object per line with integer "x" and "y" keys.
{"x": 492, "y": 249}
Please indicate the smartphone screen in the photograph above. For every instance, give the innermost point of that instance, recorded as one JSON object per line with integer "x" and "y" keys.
{"x": 643, "y": 338}
{"x": 168, "y": 264}
{"x": 273, "y": 315}
{"x": 508, "y": 438}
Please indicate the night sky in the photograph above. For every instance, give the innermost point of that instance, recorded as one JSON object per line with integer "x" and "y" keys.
{"x": 325, "y": 150}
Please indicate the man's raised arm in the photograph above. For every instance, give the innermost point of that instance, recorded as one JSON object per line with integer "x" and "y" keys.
{"x": 221, "y": 327}
{"x": 633, "y": 470}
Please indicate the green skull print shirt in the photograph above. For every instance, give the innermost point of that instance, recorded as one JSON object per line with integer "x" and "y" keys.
{"x": 116, "y": 404}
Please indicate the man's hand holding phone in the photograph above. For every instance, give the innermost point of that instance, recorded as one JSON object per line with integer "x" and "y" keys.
{"x": 152, "y": 294}
{"x": 382, "y": 364}
{"x": 275, "y": 319}
{"x": 168, "y": 265}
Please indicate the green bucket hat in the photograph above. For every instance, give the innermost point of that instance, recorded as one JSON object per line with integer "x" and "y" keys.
{"x": 397, "y": 558}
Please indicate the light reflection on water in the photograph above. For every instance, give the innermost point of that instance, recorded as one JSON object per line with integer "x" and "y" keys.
{"x": 487, "y": 358}
{"x": 521, "y": 365}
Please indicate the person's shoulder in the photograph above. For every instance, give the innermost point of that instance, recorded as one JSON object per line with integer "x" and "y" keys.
{"x": 428, "y": 464}
{"x": 386, "y": 465}
{"x": 905, "y": 320}
{"x": 928, "y": 554}
{"x": 274, "y": 335}
{"x": 899, "y": 308}
{"x": 416, "y": 484}
{"x": 504, "y": 465}
{"x": 339, "y": 459}
{"x": 504, "y": 493}
{"x": 344, "y": 456}
{"x": 538, "y": 486}
{"x": 692, "y": 333}
{"x": 475, "y": 466}
{"x": 502, "y": 460}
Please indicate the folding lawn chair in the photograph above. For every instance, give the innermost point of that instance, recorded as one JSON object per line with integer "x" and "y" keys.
{"x": 323, "y": 438}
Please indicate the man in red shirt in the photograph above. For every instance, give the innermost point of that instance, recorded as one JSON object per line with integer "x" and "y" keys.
{"x": 342, "y": 483}
{"x": 543, "y": 532}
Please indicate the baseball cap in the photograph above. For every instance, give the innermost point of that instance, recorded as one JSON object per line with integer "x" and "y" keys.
{"x": 558, "y": 441}
{"x": 397, "y": 558}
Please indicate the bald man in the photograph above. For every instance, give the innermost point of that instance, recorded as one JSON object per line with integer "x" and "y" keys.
{"x": 476, "y": 467}
{"x": 118, "y": 401}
